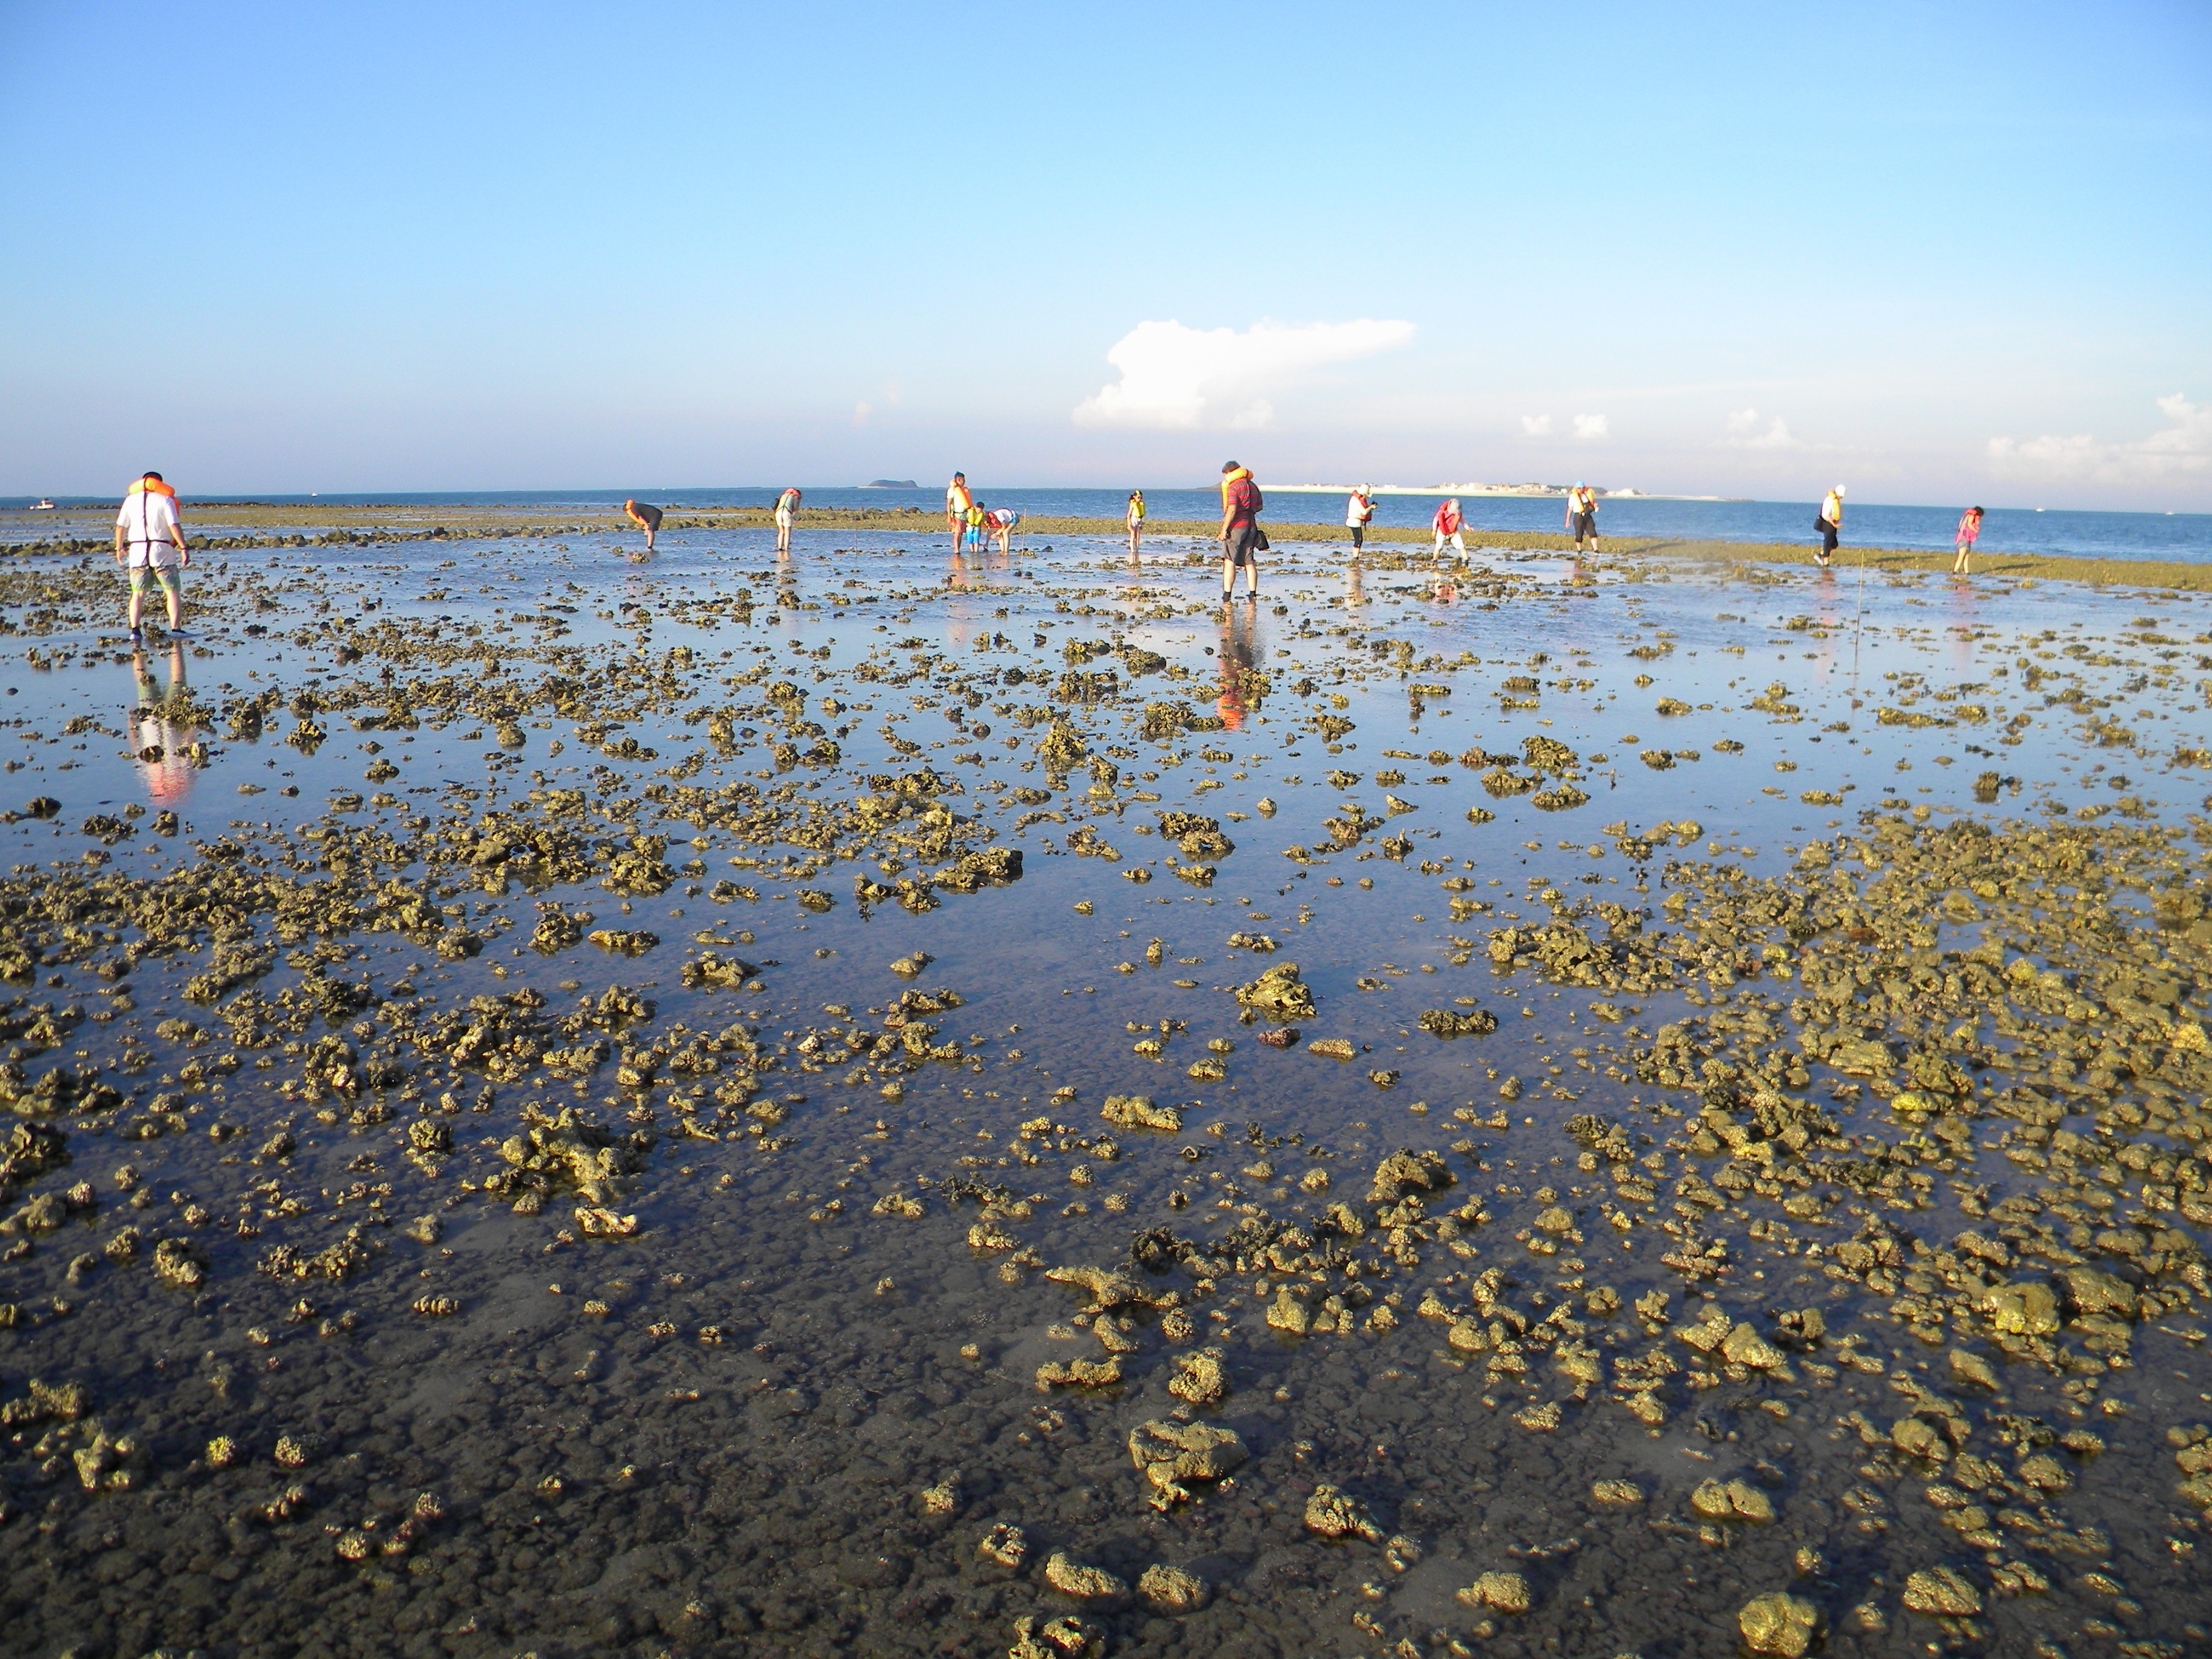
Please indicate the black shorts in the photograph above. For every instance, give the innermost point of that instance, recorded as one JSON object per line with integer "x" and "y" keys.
{"x": 1244, "y": 543}
{"x": 1828, "y": 534}
{"x": 1359, "y": 535}
{"x": 650, "y": 514}
{"x": 1586, "y": 525}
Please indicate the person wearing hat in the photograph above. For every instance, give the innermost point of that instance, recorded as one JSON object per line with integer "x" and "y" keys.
{"x": 1359, "y": 514}
{"x": 1581, "y": 515}
{"x": 150, "y": 541}
{"x": 1830, "y": 523}
{"x": 1241, "y": 539}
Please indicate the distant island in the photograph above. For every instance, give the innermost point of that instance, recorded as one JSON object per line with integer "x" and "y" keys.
{"x": 890, "y": 483}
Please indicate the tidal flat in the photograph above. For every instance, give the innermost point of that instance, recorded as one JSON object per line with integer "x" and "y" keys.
{"x": 884, "y": 1104}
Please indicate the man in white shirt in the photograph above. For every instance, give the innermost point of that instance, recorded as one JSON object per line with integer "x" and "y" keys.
{"x": 149, "y": 540}
{"x": 1359, "y": 514}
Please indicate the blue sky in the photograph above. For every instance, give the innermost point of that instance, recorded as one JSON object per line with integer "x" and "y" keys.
{"x": 1940, "y": 252}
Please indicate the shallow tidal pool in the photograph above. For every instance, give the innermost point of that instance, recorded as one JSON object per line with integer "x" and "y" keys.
{"x": 882, "y": 1104}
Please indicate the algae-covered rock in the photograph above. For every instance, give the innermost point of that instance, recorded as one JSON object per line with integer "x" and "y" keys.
{"x": 1969, "y": 1367}
{"x": 1334, "y": 1513}
{"x": 1279, "y": 994}
{"x": 1451, "y": 1023}
{"x": 1917, "y": 1437}
{"x": 1108, "y": 1287}
{"x": 1777, "y": 1623}
{"x": 2024, "y": 1308}
{"x": 1402, "y": 1173}
{"x": 1080, "y": 1373}
{"x": 1066, "y": 1637}
{"x": 1745, "y": 1347}
{"x": 2095, "y": 1292}
{"x": 1201, "y": 1377}
{"x": 1140, "y": 1112}
{"x": 1170, "y": 1454}
{"x": 1942, "y": 1593}
{"x": 1172, "y": 1590}
{"x": 1499, "y": 1592}
{"x": 2045, "y": 1473}
{"x": 1288, "y": 1312}
{"x": 179, "y": 1265}
{"x": 1732, "y": 1500}
{"x": 1081, "y": 1582}
{"x": 1004, "y": 1546}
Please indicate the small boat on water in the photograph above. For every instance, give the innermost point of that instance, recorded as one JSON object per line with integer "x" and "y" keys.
{"x": 44, "y": 504}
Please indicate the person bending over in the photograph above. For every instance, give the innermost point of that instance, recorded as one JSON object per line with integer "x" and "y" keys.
{"x": 1447, "y": 525}
{"x": 785, "y": 505}
{"x": 646, "y": 517}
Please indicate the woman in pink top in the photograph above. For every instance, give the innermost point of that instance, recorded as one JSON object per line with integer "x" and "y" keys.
{"x": 1970, "y": 531}
{"x": 1447, "y": 524}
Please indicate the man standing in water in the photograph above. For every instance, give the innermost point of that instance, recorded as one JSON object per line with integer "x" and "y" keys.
{"x": 646, "y": 517}
{"x": 1133, "y": 517}
{"x": 1581, "y": 515}
{"x": 150, "y": 541}
{"x": 785, "y": 505}
{"x": 958, "y": 499}
{"x": 1359, "y": 514}
{"x": 1830, "y": 523}
{"x": 1241, "y": 538}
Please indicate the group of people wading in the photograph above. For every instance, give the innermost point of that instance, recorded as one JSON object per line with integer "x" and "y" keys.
{"x": 150, "y": 543}
{"x": 970, "y": 520}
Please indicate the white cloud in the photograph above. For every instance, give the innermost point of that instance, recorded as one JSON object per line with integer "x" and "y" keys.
{"x": 1536, "y": 426}
{"x": 1743, "y": 425}
{"x": 1174, "y": 378}
{"x": 2184, "y": 445}
{"x": 1588, "y": 427}
{"x": 860, "y": 413}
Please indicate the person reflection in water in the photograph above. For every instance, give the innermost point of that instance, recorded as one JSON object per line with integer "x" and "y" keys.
{"x": 1242, "y": 688}
{"x": 162, "y": 742}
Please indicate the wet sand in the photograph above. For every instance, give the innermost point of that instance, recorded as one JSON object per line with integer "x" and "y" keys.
{"x": 887, "y": 1105}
